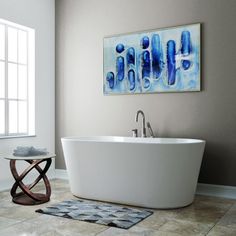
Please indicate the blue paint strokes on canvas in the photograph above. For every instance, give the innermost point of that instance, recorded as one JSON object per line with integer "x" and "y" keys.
{"x": 131, "y": 79}
{"x": 157, "y": 61}
{"x": 146, "y": 83}
{"x": 146, "y": 64}
{"x": 186, "y": 43}
{"x": 110, "y": 79}
{"x": 120, "y": 68}
{"x": 120, "y": 48}
{"x": 130, "y": 56}
{"x": 171, "y": 61}
{"x": 186, "y": 64}
{"x": 157, "y": 56}
{"x": 145, "y": 42}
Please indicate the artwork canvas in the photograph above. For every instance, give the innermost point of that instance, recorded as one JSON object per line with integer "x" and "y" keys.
{"x": 164, "y": 60}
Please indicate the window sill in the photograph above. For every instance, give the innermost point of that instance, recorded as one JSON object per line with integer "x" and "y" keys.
{"x": 17, "y": 136}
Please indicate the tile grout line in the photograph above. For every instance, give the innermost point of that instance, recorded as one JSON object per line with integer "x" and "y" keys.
{"x": 102, "y": 231}
{"x": 12, "y": 225}
{"x": 212, "y": 227}
{"x": 220, "y": 219}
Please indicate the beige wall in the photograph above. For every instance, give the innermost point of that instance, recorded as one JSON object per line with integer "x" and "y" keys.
{"x": 82, "y": 109}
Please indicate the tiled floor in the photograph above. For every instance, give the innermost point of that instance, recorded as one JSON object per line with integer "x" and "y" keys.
{"x": 206, "y": 216}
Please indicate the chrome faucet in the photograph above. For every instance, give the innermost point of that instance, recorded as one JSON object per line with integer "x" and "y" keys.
{"x": 143, "y": 131}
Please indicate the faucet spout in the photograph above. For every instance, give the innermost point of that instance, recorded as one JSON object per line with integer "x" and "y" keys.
{"x": 140, "y": 112}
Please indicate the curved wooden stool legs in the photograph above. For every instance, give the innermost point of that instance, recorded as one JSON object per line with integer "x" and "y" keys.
{"x": 27, "y": 197}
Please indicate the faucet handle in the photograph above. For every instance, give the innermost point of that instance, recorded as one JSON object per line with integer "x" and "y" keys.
{"x": 135, "y": 133}
{"x": 150, "y": 130}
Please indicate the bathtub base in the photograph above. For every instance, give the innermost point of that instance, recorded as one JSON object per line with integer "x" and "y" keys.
{"x": 133, "y": 204}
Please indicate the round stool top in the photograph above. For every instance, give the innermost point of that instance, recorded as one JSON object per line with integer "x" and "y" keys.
{"x": 38, "y": 157}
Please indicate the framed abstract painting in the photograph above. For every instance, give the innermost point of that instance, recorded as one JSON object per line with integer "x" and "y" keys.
{"x": 156, "y": 61}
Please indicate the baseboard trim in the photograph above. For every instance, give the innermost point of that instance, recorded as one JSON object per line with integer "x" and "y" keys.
{"x": 6, "y": 184}
{"x": 216, "y": 190}
{"x": 61, "y": 174}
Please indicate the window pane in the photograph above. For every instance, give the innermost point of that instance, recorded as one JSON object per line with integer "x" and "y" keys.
{"x": 22, "y": 46}
{"x": 12, "y": 117}
{"x": 12, "y": 80}
{"x": 2, "y": 117}
{"x": 2, "y": 79}
{"x": 2, "y": 42}
{"x": 22, "y": 82}
{"x": 22, "y": 117}
{"x": 12, "y": 44}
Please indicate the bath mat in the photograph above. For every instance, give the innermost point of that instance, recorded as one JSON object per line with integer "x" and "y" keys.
{"x": 97, "y": 212}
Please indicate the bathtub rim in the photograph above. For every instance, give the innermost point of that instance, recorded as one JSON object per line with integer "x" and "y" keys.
{"x": 133, "y": 140}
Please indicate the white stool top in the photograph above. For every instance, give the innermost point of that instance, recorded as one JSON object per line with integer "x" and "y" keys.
{"x": 38, "y": 157}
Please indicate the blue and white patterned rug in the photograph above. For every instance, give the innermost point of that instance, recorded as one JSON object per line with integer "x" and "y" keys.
{"x": 97, "y": 212}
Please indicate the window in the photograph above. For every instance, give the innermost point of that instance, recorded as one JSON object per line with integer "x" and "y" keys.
{"x": 17, "y": 80}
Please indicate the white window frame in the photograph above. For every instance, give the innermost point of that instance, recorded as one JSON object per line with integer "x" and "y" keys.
{"x": 30, "y": 68}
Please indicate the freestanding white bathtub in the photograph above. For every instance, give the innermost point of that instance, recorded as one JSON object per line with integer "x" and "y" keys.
{"x": 146, "y": 172}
